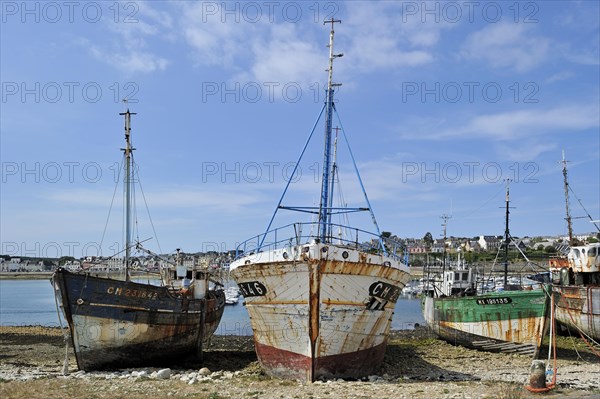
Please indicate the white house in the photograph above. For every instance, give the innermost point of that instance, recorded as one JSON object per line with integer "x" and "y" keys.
{"x": 488, "y": 243}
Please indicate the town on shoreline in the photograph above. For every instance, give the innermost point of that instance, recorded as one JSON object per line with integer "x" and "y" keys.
{"x": 417, "y": 252}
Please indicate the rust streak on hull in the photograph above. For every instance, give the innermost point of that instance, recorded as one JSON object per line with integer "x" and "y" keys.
{"x": 321, "y": 316}
{"x": 111, "y": 327}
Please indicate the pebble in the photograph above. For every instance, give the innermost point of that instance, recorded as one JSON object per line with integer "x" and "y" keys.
{"x": 456, "y": 367}
{"x": 163, "y": 374}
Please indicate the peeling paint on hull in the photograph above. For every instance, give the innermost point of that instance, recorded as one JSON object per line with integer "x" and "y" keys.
{"x": 578, "y": 308}
{"x": 321, "y": 315}
{"x": 116, "y": 324}
{"x": 509, "y": 321}
{"x": 291, "y": 365}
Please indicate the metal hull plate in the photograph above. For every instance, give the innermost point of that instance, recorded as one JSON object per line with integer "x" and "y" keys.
{"x": 578, "y": 308}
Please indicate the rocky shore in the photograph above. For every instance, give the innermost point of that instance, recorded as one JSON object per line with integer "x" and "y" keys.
{"x": 416, "y": 365}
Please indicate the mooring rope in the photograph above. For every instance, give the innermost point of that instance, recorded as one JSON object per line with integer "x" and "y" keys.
{"x": 581, "y": 333}
{"x": 551, "y": 347}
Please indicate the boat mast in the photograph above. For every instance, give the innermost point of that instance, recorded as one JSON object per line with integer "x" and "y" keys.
{"x": 128, "y": 182}
{"x": 327, "y": 181}
{"x": 566, "y": 183}
{"x": 333, "y": 177}
{"x": 506, "y": 235}
{"x": 444, "y": 225}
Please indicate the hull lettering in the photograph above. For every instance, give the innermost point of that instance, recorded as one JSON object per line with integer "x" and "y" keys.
{"x": 384, "y": 291}
{"x": 494, "y": 301}
{"x": 253, "y": 288}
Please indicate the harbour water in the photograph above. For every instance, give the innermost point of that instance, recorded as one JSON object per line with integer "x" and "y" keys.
{"x": 31, "y": 302}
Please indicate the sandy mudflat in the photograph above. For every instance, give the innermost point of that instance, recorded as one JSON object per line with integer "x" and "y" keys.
{"x": 416, "y": 366}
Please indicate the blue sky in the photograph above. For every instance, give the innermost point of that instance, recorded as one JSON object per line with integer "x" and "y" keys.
{"x": 441, "y": 101}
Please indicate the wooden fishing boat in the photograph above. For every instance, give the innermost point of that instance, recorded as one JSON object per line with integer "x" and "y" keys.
{"x": 576, "y": 278}
{"x": 320, "y": 295}
{"x": 505, "y": 321}
{"x": 117, "y": 323}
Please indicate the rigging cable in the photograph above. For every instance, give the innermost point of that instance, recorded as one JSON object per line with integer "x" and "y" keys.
{"x": 586, "y": 211}
{"x": 112, "y": 202}
{"x": 500, "y": 188}
{"x": 148, "y": 211}
{"x": 362, "y": 186}
{"x": 290, "y": 179}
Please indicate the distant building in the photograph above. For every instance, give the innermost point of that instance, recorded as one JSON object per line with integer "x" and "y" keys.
{"x": 489, "y": 243}
{"x": 517, "y": 243}
{"x": 417, "y": 250}
{"x": 543, "y": 244}
{"x": 437, "y": 247}
{"x": 471, "y": 246}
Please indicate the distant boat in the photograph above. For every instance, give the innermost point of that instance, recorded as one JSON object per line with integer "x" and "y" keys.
{"x": 320, "y": 295}
{"x": 232, "y": 296}
{"x": 500, "y": 321}
{"x": 576, "y": 279}
{"x": 120, "y": 323}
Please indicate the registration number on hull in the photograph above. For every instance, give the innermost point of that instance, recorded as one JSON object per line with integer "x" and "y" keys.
{"x": 252, "y": 288}
{"x": 494, "y": 301}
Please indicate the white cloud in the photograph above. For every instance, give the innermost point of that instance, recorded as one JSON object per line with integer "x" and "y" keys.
{"x": 505, "y": 45}
{"x": 514, "y": 125}
{"x": 129, "y": 52}
{"x": 129, "y": 61}
{"x": 560, "y": 76}
{"x": 254, "y": 52}
{"x": 222, "y": 197}
{"x": 284, "y": 57}
{"x": 215, "y": 42}
{"x": 523, "y": 123}
{"x": 589, "y": 55}
{"x": 275, "y": 51}
{"x": 381, "y": 37}
{"x": 372, "y": 53}
{"x": 526, "y": 150}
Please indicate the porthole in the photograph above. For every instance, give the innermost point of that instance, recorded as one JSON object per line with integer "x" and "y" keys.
{"x": 345, "y": 255}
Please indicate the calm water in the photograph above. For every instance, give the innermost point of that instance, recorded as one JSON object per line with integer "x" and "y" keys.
{"x": 31, "y": 302}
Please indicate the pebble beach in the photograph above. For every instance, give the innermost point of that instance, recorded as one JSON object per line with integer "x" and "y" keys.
{"x": 416, "y": 365}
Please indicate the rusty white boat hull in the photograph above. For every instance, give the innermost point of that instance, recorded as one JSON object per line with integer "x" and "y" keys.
{"x": 578, "y": 308}
{"x": 576, "y": 279}
{"x": 320, "y": 310}
{"x": 508, "y": 321}
{"x": 116, "y": 324}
